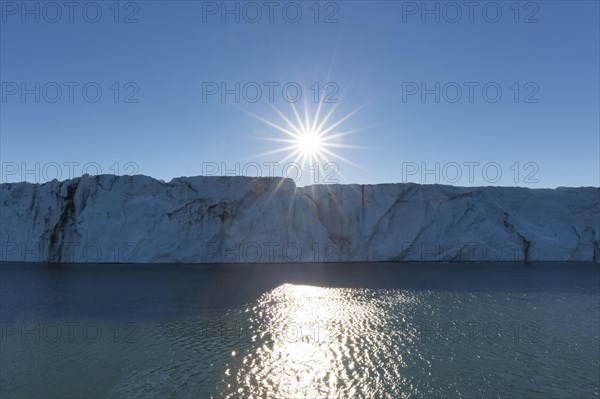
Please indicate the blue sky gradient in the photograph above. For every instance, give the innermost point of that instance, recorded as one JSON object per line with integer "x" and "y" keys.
{"x": 373, "y": 54}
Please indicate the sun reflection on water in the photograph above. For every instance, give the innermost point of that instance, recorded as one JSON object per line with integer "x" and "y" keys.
{"x": 317, "y": 342}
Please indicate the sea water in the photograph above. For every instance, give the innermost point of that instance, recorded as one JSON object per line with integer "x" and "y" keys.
{"x": 300, "y": 330}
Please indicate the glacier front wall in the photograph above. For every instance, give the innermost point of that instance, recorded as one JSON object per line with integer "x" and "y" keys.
{"x": 138, "y": 219}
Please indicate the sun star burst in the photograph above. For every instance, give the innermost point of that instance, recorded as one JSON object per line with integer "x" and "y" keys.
{"x": 310, "y": 140}
{"x": 309, "y": 143}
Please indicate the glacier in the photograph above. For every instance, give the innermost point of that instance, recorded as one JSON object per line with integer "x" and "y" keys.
{"x": 139, "y": 219}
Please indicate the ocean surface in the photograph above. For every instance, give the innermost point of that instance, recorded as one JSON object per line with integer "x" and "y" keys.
{"x": 371, "y": 330}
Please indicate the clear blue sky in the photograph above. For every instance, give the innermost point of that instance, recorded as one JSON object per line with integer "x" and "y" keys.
{"x": 374, "y": 55}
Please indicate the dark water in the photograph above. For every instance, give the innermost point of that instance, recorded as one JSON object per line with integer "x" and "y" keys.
{"x": 291, "y": 331}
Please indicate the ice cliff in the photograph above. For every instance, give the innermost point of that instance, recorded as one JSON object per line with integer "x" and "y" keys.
{"x": 235, "y": 219}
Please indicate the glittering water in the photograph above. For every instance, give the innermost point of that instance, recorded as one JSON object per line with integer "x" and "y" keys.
{"x": 292, "y": 331}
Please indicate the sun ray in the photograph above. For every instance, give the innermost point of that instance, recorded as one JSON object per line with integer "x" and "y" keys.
{"x": 311, "y": 136}
{"x": 297, "y": 115}
{"x": 339, "y": 122}
{"x": 278, "y": 150}
{"x": 326, "y": 118}
{"x": 316, "y": 118}
{"x": 341, "y": 134}
{"x": 290, "y": 123}
{"x": 306, "y": 117}
{"x": 333, "y": 154}
{"x": 268, "y": 122}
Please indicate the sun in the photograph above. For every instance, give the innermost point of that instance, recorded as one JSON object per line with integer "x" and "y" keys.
{"x": 310, "y": 140}
{"x": 309, "y": 144}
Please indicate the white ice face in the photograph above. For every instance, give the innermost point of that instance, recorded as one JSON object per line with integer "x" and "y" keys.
{"x": 132, "y": 219}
